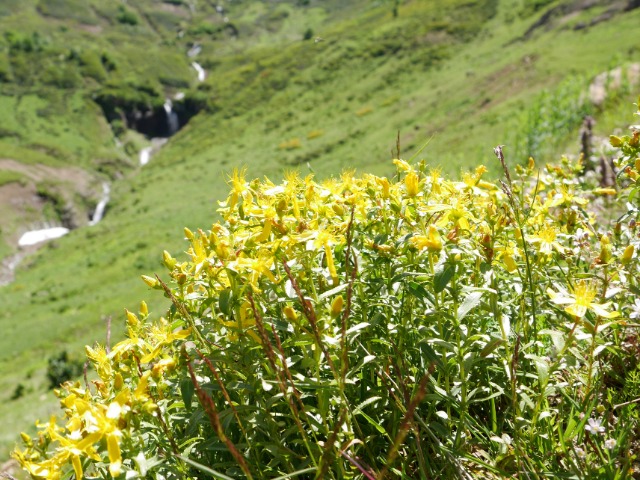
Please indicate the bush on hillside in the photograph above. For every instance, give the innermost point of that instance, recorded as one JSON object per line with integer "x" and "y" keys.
{"x": 366, "y": 327}
{"x": 61, "y": 369}
{"x": 126, "y": 17}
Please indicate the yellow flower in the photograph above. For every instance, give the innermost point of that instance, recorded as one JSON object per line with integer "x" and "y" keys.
{"x": 431, "y": 241}
{"x": 580, "y": 299}
{"x": 412, "y": 182}
{"x": 545, "y": 239}
{"x": 242, "y": 324}
{"x": 325, "y": 239}
{"x": 258, "y": 267}
{"x": 509, "y": 263}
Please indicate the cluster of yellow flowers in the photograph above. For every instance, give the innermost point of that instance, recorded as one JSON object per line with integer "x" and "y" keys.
{"x": 127, "y": 376}
{"x": 304, "y": 222}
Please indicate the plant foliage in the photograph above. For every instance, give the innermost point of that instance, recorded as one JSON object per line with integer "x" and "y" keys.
{"x": 364, "y": 327}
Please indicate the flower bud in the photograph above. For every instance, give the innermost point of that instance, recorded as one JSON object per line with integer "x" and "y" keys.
{"x": 150, "y": 281}
{"x": 168, "y": 260}
{"x": 509, "y": 263}
{"x": 615, "y": 141}
{"x": 605, "y": 249}
{"x": 290, "y": 313}
{"x": 627, "y": 255}
{"x": 617, "y": 230}
{"x": 26, "y": 439}
{"x": 188, "y": 233}
{"x": 118, "y": 381}
{"x": 336, "y": 306}
{"x": 132, "y": 320}
{"x": 144, "y": 310}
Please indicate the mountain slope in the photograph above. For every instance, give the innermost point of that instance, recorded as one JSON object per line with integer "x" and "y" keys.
{"x": 79, "y": 74}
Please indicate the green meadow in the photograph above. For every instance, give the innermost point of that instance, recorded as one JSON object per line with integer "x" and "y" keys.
{"x": 313, "y": 86}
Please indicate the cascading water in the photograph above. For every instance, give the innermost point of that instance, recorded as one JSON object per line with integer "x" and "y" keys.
{"x": 98, "y": 214}
{"x": 147, "y": 152}
{"x": 202, "y": 74}
{"x": 145, "y": 156}
{"x": 173, "y": 123}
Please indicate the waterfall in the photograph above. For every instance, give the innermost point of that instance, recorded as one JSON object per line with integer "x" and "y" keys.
{"x": 201, "y": 72}
{"x": 172, "y": 118}
{"x": 195, "y": 50}
{"x": 102, "y": 204}
{"x": 147, "y": 152}
{"x": 145, "y": 156}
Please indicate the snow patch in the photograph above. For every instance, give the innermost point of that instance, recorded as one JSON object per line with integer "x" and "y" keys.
{"x": 37, "y": 236}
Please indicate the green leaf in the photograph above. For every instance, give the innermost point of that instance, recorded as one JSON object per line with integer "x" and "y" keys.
{"x": 420, "y": 292}
{"x": 225, "y": 300}
{"x": 204, "y": 468}
{"x": 357, "y": 327}
{"x": 368, "y": 401}
{"x": 471, "y": 301}
{"x": 186, "y": 389}
{"x": 295, "y": 474}
{"x": 375, "y": 424}
{"x": 443, "y": 276}
{"x": 542, "y": 368}
{"x": 333, "y": 291}
{"x": 491, "y": 346}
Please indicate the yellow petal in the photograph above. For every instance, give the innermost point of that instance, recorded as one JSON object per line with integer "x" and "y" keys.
{"x": 77, "y": 466}
{"x": 576, "y": 310}
{"x": 115, "y": 458}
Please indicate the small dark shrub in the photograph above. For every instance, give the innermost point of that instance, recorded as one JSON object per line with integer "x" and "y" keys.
{"x": 62, "y": 369}
{"x": 126, "y": 17}
{"x": 18, "y": 392}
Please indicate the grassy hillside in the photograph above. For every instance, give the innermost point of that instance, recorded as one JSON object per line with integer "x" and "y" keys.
{"x": 317, "y": 86}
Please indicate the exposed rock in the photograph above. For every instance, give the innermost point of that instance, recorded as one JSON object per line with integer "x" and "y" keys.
{"x": 611, "y": 81}
{"x": 561, "y": 13}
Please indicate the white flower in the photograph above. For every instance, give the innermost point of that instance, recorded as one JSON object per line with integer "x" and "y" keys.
{"x": 593, "y": 427}
{"x": 610, "y": 443}
{"x": 635, "y": 309}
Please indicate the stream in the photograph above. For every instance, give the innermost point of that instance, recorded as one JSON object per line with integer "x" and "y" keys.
{"x": 33, "y": 238}
{"x": 102, "y": 204}
{"x": 202, "y": 74}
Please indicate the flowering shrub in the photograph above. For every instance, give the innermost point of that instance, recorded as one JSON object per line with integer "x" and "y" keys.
{"x": 364, "y": 327}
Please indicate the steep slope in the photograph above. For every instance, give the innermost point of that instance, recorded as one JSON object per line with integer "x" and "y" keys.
{"x": 318, "y": 86}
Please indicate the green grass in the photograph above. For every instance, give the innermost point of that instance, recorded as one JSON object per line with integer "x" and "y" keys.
{"x": 455, "y": 74}
{"x": 7, "y": 177}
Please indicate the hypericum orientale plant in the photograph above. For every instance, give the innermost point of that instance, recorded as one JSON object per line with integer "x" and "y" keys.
{"x": 365, "y": 327}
